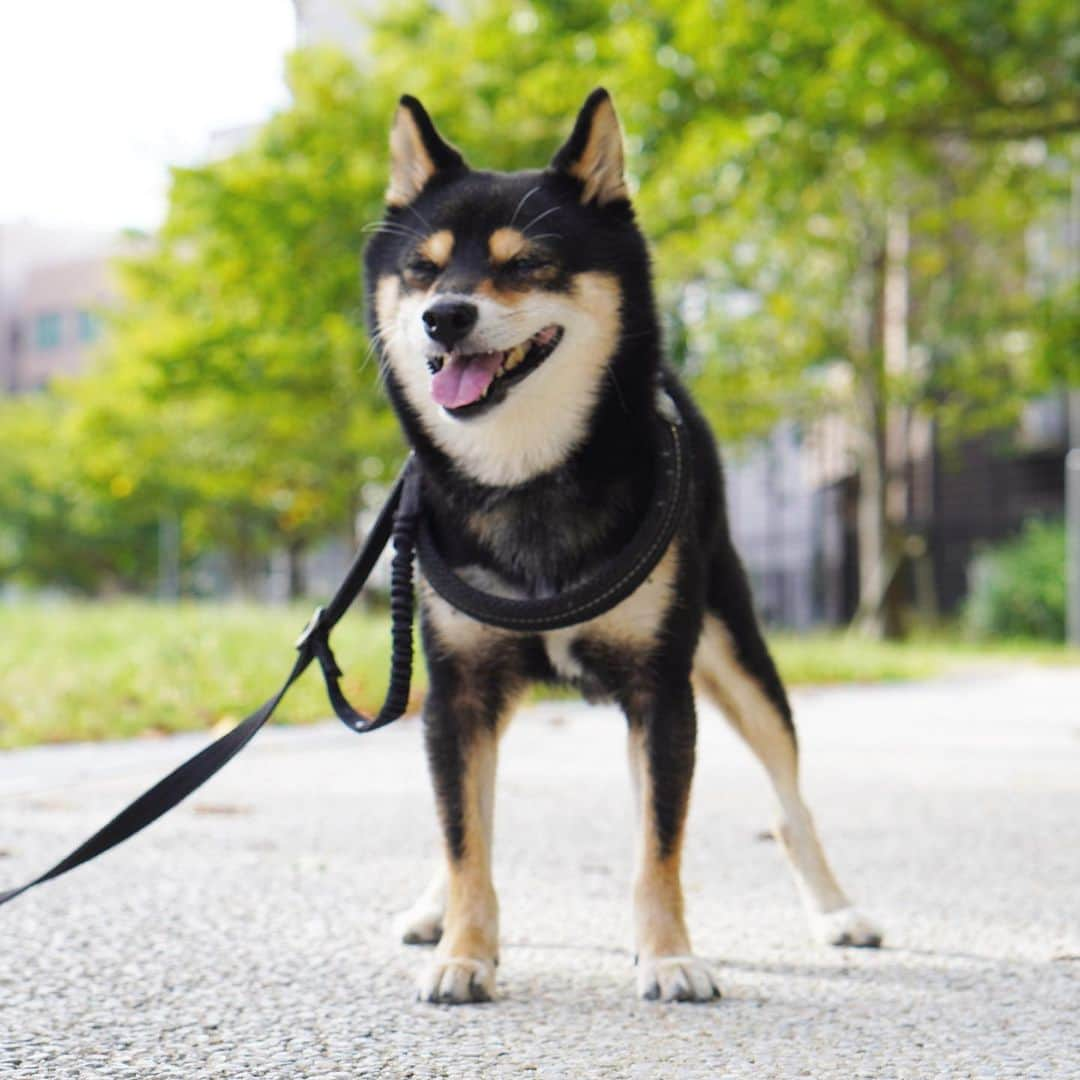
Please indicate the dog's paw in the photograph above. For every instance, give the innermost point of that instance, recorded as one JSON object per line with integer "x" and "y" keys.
{"x": 675, "y": 978}
{"x": 847, "y": 926}
{"x": 422, "y": 924}
{"x": 457, "y": 980}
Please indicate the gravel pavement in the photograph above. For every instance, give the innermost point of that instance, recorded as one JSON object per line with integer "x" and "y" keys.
{"x": 248, "y": 933}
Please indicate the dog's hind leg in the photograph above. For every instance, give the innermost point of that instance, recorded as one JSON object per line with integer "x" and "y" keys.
{"x": 733, "y": 668}
{"x": 422, "y": 924}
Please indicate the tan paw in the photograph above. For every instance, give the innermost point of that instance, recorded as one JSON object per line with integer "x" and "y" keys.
{"x": 457, "y": 980}
{"x": 846, "y": 926}
{"x": 675, "y": 978}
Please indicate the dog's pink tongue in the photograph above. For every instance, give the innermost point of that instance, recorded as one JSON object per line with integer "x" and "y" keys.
{"x": 463, "y": 379}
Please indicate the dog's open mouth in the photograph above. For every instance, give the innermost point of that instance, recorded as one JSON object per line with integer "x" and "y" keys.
{"x": 466, "y": 383}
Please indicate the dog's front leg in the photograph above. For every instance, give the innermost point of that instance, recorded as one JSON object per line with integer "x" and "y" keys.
{"x": 662, "y": 735}
{"x": 461, "y": 735}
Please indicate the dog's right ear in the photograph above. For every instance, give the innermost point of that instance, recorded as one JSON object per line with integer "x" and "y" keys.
{"x": 593, "y": 155}
{"x": 417, "y": 153}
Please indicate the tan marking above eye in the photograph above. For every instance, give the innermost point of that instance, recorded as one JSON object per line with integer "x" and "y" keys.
{"x": 505, "y": 243}
{"x": 437, "y": 247}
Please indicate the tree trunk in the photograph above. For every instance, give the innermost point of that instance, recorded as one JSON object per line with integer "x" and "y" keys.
{"x": 880, "y": 347}
{"x": 880, "y": 543}
{"x": 297, "y": 571}
{"x": 245, "y": 563}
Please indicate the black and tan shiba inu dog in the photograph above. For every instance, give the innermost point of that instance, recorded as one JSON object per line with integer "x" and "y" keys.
{"x": 519, "y": 340}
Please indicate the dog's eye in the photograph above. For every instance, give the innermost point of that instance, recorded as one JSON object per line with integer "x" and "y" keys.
{"x": 526, "y": 264}
{"x": 421, "y": 271}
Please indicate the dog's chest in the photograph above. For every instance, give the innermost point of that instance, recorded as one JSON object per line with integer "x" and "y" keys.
{"x": 540, "y": 537}
{"x": 597, "y": 650}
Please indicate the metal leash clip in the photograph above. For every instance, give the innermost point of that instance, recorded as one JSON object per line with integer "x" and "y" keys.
{"x": 314, "y": 623}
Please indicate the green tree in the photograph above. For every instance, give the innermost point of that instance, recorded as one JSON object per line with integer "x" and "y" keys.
{"x": 59, "y": 522}
{"x": 238, "y": 389}
{"x": 838, "y": 192}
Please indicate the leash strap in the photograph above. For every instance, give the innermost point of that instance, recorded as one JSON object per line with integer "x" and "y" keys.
{"x": 313, "y": 644}
{"x": 165, "y": 794}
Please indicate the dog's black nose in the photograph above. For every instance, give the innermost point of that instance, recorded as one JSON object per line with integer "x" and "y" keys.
{"x": 448, "y": 321}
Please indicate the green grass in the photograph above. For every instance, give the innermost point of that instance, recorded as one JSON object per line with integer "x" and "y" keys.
{"x": 826, "y": 658}
{"x": 103, "y": 671}
{"x": 73, "y": 671}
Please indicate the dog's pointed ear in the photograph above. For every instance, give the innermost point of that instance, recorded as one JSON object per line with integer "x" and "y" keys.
{"x": 593, "y": 154}
{"x": 417, "y": 153}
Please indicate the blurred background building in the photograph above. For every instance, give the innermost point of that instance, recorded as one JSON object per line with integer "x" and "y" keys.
{"x": 53, "y": 285}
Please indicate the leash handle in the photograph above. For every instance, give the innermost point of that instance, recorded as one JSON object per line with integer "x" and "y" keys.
{"x": 312, "y": 644}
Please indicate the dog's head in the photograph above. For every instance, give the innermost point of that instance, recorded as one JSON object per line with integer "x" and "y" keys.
{"x": 499, "y": 301}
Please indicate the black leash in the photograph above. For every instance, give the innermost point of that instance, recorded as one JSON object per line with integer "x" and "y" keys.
{"x": 402, "y": 520}
{"x": 397, "y": 518}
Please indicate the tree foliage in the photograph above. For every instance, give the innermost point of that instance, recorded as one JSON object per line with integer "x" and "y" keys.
{"x": 771, "y": 143}
{"x": 1018, "y": 589}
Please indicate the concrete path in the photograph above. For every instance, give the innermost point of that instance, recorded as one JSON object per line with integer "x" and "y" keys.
{"x": 248, "y": 934}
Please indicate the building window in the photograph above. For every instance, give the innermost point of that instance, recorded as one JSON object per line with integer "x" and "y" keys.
{"x": 89, "y": 327}
{"x": 48, "y": 330}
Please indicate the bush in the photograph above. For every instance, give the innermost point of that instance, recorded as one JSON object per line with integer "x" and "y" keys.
{"x": 1018, "y": 588}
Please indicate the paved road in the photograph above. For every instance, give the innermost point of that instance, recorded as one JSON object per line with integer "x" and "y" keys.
{"x": 247, "y": 935}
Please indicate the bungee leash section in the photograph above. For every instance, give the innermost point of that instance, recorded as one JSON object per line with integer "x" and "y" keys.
{"x": 401, "y": 519}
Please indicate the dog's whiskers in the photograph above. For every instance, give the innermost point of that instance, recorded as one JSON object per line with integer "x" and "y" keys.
{"x": 392, "y": 228}
{"x": 420, "y": 217}
{"x": 540, "y": 217}
{"x": 618, "y": 389}
{"x": 375, "y": 339}
{"x": 524, "y": 199}
{"x": 379, "y": 336}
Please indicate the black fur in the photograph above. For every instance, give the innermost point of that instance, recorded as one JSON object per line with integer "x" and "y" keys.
{"x": 546, "y": 533}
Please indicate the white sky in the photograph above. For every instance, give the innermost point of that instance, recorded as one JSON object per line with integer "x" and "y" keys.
{"x": 99, "y": 97}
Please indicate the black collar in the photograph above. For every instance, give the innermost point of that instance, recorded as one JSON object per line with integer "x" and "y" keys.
{"x": 600, "y": 592}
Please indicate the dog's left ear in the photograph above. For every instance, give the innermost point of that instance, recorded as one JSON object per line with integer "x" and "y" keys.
{"x": 593, "y": 154}
{"x": 417, "y": 153}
